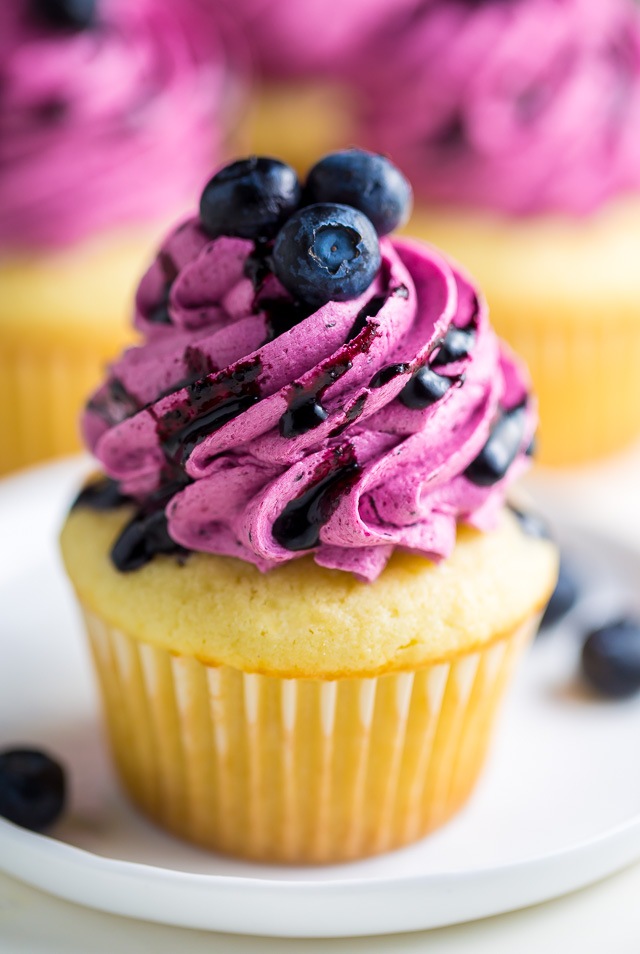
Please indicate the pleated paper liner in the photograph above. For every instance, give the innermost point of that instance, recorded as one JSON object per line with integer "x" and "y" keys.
{"x": 298, "y": 770}
{"x": 42, "y": 392}
{"x": 585, "y": 375}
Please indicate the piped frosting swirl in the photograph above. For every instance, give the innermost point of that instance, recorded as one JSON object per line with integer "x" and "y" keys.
{"x": 260, "y": 429}
{"x": 115, "y": 124}
{"x": 522, "y": 106}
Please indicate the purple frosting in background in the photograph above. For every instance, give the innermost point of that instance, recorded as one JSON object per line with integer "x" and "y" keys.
{"x": 210, "y": 323}
{"x": 523, "y": 106}
{"x": 306, "y": 38}
{"x": 116, "y": 124}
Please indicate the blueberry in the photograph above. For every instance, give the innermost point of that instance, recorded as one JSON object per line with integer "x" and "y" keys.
{"x": 367, "y": 182}
{"x": 424, "y": 388}
{"x": 611, "y": 658}
{"x": 326, "y": 253}
{"x": 562, "y": 598}
{"x": 501, "y": 449}
{"x": 32, "y": 788}
{"x": 68, "y": 14}
{"x": 251, "y": 198}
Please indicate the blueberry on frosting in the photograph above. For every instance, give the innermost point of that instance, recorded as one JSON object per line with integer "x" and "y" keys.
{"x": 366, "y": 181}
{"x": 326, "y": 252}
{"x": 66, "y": 14}
{"x": 251, "y": 198}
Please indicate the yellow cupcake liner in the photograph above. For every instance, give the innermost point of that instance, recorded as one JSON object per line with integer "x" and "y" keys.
{"x": 42, "y": 392}
{"x": 298, "y": 770}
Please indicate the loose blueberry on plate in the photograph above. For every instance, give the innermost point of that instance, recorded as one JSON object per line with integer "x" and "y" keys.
{"x": 250, "y": 198}
{"x": 562, "y": 599}
{"x": 32, "y": 788}
{"x": 367, "y": 182}
{"x": 611, "y": 658}
{"x": 326, "y": 252}
{"x": 70, "y": 14}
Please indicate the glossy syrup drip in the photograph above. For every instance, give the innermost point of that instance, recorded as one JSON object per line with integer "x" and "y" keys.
{"x": 159, "y": 315}
{"x": 103, "y": 493}
{"x": 144, "y": 537}
{"x": 305, "y": 409}
{"x": 114, "y": 403}
{"x": 501, "y": 449}
{"x": 298, "y": 526}
{"x": 209, "y": 405}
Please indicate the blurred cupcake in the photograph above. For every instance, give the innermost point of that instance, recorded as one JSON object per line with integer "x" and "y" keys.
{"x": 111, "y": 114}
{"x": 303, "y": 53}
{"x": 300, "y": 652}
{"x": 519, "y": 124}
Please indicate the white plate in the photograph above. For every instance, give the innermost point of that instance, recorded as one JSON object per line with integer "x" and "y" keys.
{"x": 557, "y": 808}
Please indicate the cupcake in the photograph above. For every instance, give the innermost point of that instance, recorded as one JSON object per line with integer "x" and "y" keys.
{"x": 111, "y": 115}
{"x": 304, "y": 100}
{"x": 302, "y": 586}
{"x": 519, "y": 124}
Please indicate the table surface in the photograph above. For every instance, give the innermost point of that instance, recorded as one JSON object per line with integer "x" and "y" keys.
{"x": 603, "y": 917}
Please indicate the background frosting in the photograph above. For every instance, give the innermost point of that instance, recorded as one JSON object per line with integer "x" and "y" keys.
{"x": 114, "y": 124}
{"x": 193, "y": 421}
{"x": 518, "y": 105}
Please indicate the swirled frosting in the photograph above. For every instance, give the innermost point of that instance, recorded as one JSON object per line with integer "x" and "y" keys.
{"x": 201, "y": 422}
{"x": 115, "y": 124}
{"x": 517, "y": 105}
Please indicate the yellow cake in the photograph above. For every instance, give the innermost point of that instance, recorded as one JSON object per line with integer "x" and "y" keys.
{"x": 302, "y": 715}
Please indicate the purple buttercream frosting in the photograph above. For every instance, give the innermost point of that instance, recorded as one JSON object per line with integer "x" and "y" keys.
{"x": 111, "y": 125}
{"x": 193, "y": 417}
{"x": 523, "y": 106}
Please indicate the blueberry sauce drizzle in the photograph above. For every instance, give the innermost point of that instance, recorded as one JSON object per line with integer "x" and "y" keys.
{"x": 458, "y": 344}
{"x": 146, "y": 534}
{"x": 114, "y": 403}
{"x": 209, "y": 405}
{"x": 101, "y": 494}
{"x": 385, "y": 375}
{"x": 425, "y": 387}
{"x": 501, "y": 449}
{"x": 159, "y": 315}
{"x": 305, "y": 410}
{"x": 298, "y": 526}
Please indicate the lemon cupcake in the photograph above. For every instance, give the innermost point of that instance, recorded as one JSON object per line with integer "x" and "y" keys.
{"x": 519, "y": 124}
{"x": 301, "y": 585}
{"x": 110, "y": 117}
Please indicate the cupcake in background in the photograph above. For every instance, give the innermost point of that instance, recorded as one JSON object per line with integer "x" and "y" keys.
{"x": 303, "y": 590}
{"x": 303, "y": 53}
{"x": 519, "y": 125}
{"x": 111, "y": 114}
